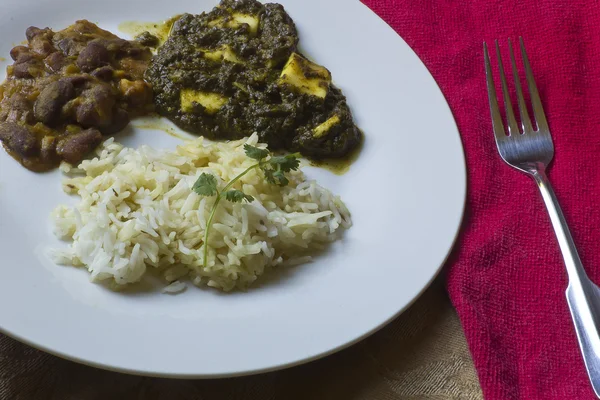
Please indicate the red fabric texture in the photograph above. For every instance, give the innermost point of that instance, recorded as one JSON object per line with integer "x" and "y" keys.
{"x": 506, "y": 276}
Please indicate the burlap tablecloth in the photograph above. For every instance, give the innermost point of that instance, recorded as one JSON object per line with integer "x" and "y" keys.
{"x": 420, "y": 355}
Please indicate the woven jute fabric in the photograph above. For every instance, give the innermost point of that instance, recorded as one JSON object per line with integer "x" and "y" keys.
{"x": 420, "y": 355}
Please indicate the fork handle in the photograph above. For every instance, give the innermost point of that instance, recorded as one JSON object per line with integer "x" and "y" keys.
{"x": 583, "y": 296}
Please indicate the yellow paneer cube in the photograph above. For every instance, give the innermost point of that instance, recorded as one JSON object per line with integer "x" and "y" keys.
{"x": 305, "y": 76}
{"x": 238, "y": 18}
{"x": 210, "y": 101}
{"x": 216, "y": 22}
{"x": 322, "y": 129}
{"x": 222, "y": 53}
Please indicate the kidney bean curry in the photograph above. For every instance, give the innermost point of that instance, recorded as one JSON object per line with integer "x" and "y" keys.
{"x": 66, "y": 90}
{"x": 223, "y": 74}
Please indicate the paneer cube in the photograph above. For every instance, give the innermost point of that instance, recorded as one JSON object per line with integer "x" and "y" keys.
{"x": 305, "y": 76}
{"x": 218, "y": 22}
{"x": 212, "y": 102}
{"x": 322, "y": 129}
{"x": 235, "y": 20}
{"x": 223, "y": 53}
{"x": 238, "y": 18}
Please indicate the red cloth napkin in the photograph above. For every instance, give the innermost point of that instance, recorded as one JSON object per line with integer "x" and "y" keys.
{"x": 506, "y": 277}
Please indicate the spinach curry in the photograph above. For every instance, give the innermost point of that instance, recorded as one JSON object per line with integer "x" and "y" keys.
{"x": 224, "y": 74}
{"x": 236, "y": 70}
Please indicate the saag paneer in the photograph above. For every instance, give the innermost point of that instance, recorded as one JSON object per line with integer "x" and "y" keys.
{"x": 236, "y": 70}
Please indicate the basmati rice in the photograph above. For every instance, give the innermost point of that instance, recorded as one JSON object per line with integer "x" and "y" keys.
{"x": 137, "y": 212}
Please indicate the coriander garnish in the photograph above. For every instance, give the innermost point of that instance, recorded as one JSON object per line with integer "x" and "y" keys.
{"x": 274, "y": 169}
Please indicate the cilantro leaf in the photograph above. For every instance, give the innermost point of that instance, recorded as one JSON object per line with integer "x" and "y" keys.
{"x": 237, "y": 196}
{"x": 274, "y": 169}
{"x": 285, "y": 163}
{"x": 206, "y": 185}
{"x": 269, "y": 175}
{"x": 280, "y": 178}
{"x": 255, "y": 152}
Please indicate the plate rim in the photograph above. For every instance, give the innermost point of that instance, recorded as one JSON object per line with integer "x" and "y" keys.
{"x": 174, "y": 375}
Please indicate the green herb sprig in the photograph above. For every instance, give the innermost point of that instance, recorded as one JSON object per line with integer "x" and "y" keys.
{"x": 273, "y": 167}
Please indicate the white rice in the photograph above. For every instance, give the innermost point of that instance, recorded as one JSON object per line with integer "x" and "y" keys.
{"x": 137, "y": 211}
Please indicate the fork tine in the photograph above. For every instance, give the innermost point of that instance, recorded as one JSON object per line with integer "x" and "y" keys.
{"x": 538, "y": 110}
{"x": 513, "y": 129}
{"x": 525, "y": 120}
{"x": 494, "y": 110}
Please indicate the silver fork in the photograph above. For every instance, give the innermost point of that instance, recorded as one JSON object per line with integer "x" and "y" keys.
{"x": 530, "y": 151}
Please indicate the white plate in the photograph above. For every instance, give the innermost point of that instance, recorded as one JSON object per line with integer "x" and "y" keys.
{"x": 406, "y": 193}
